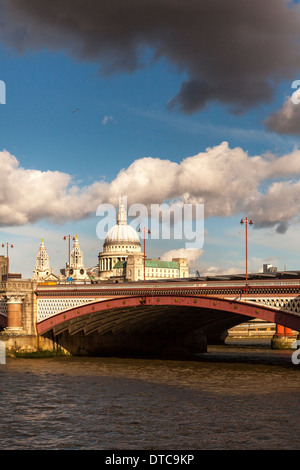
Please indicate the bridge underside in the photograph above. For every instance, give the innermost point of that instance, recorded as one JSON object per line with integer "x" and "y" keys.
{"x": 149, "y": 325}
{"x": 140, "y": 329}
{"x": 143, "y": 330}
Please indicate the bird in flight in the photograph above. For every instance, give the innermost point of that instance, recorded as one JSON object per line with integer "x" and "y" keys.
{"x": 75, "y": 110}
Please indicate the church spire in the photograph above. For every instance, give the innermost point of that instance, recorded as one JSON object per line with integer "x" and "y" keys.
{"x": 42, "y": 266}
{"x": 122, "y": 216}
{"x": 76, "y": 255}
{"x": 77, "y": 268}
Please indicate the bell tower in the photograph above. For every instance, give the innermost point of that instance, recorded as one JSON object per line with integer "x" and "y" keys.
{"x": 42, "y": 265}
{"x": 77, "y": 268}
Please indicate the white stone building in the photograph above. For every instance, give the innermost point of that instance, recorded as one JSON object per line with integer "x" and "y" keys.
{"x": 77, "y": 269}
{"x": 42, "y": 270}
{"x": 122, "y": 256}
{"x": 44, "y": 273}
{"x": 121, "y": 241}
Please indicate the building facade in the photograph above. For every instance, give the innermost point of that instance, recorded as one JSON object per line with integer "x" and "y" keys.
{"x": 76, "y": 272}
{"x": 155, "y": 269}
{"x": 122, "y": 257}
{"x": 120, "y": 242}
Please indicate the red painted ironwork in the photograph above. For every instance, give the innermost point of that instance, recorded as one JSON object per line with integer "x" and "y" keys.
{"x": 207, "y": 303}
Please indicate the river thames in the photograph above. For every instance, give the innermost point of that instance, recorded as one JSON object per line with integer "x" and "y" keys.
{"x": 237, "y": 396}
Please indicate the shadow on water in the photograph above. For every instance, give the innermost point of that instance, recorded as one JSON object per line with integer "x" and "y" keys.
{"x": 247, "y": 350}
{"x": 234, "y": 351}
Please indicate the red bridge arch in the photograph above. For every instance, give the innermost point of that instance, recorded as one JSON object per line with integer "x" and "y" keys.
{"x": 123, "y": 313}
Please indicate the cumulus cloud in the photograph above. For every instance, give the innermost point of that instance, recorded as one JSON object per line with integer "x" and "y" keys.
{"x": 147, "y": 180}
{"x": 226, "y": 180}
{"x": 30, "y": 195}
{"x": 191, "y": 254}
{"x": 286, "y": 120}
{"x": 232, "y": 52}
{"x": 279, "y": 206}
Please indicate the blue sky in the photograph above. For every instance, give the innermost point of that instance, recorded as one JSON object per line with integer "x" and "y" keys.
{"x": 123, "y": 118}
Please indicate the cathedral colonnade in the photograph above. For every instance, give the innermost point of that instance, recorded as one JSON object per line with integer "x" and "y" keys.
{"x": 108, "y": 263}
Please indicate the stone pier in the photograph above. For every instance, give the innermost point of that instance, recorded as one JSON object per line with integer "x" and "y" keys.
{"x": 284, "y": 338}
{"x": 14, "y": 302}
{"x": 20, "y": 335}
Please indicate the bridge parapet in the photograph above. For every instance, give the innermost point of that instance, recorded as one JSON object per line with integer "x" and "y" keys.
{"x": 52, "y": 300}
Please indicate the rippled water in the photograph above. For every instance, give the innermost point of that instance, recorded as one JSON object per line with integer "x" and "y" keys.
{"x": 230, "y": 398}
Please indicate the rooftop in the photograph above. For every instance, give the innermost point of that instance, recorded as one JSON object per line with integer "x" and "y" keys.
{"x": 151, "y": 263}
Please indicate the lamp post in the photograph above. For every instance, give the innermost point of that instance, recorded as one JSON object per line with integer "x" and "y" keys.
{"x": 144, "y": 251}
{"x": 246, "y": 221}
{"x": 8, "y": 245}
{"x": 65, "y": 238}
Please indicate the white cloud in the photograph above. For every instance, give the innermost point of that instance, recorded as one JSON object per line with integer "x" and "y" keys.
{"x": 286, "y": 120}
{"x": 191, "y": 254}
{"x": 147, "y": 181}
{"x": 106, "y": 119}
{"x": 32, "y": 195}
{"x": 227, "y": 181}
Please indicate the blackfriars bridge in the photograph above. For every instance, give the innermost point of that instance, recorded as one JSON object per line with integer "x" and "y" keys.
{"x": 143, "y": 317}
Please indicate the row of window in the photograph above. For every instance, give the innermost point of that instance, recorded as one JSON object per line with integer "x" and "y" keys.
{"x": 165, "y": 270}
{"x": 155, "y": 273}
{"x": 117, "y": 248}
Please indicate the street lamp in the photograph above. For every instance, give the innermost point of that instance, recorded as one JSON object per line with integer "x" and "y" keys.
{"x": 246, "y": 221}
{"x": 8, "y": 245}
{"x": 65, "y": 238}
{"x": 139, "y": 230}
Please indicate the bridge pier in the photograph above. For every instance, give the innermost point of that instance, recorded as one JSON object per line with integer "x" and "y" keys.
{"x": 216, "y": 337}
{"x": 283, "y": 338}
{"x": 14, "y": 311}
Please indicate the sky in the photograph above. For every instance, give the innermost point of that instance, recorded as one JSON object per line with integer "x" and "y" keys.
{"x": 185, "y": 102}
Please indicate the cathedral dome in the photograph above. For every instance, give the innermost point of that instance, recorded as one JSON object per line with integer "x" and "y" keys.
{"x": 122, "y": 232}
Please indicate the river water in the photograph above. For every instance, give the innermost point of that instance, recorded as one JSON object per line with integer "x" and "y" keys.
{"x": 237, "y": 396}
